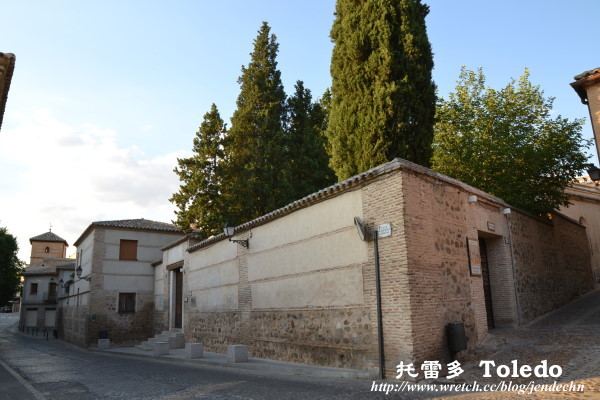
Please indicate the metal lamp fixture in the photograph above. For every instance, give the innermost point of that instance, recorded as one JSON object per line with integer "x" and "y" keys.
{"x": 60, "y": 283}
{"x": 79, "y": 271}
{"x": 228, "y": 230}
{"x": 594, "y": 173}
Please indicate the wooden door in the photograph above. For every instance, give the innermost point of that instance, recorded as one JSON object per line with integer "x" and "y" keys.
{"x": 487, "y": 287}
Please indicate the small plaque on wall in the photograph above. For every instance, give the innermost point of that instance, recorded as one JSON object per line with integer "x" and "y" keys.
{"x": 474, "y": 256}
{"x": 491, "y": 227}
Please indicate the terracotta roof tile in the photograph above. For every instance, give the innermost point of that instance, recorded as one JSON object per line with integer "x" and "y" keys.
{"x": 586, "y": 74}
{"x": 141, "y": 223}
{"x": 48, "y": 237}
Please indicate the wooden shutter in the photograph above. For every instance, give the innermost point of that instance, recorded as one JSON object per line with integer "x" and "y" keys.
{"x": 128, "y": 250}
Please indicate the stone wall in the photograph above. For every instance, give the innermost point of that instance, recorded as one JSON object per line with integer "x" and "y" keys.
{"x": 305, "y": 291}
{"x": 552, "y": 263}
{"x": 72, "y": 322}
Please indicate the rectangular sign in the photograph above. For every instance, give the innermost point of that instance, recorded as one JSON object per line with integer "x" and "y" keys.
{"x": 474, "y": 256}
{"x": 384, "y": 230}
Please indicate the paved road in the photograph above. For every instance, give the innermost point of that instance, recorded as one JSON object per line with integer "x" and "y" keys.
{"x": 33, "y": 368}
{"x": 55, "y": 370}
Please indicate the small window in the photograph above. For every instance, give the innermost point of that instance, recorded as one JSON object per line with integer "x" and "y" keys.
{"x": 51, "y": 290}
{"x": 126, "y": 302}
{"x": 128, "y": 250}
{"x": 33, "y": 288}
{"x": 47, "y": 249}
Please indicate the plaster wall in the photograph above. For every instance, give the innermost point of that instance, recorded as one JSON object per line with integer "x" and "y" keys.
{"x": 296, "y": 294}
{"x": 173, "y": 254}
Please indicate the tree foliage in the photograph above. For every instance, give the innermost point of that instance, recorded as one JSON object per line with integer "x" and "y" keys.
{"x": 199, "y": 200}
{"x": 256, "y": 141}
{"x": 274, "y": 152}
{"x": 507, "y": 143}
{"x": 308, "y": 162}
{"x": 10, "y": 267}
{"x": 383, "y": 97}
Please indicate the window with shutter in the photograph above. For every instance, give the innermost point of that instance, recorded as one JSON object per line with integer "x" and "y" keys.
{"x": 128, "y": 250}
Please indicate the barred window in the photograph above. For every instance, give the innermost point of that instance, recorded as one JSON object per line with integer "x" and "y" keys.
{"x": 126, "y": 302}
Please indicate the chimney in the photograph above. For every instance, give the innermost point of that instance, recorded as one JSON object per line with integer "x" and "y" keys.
{"x": 587, "y": 86}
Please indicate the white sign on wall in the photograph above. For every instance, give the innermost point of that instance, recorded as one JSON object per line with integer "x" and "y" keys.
{"x": 384, "y": 230}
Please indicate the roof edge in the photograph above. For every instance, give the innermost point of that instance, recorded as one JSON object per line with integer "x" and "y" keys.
{"x": 350, "y": 183}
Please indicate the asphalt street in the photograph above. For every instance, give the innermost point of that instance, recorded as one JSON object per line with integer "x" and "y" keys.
{"x": 34, "y": 368}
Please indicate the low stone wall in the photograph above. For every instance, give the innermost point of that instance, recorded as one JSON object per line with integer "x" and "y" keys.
{"x": 341, "y": 338}
{"x": 72, "y": 323}
{"x": 122, "y": 328}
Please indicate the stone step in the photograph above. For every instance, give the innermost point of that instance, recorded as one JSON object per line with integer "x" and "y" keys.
{"x": 174, "y": 337}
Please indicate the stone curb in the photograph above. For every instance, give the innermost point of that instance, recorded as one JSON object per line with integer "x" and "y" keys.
{"x": 258, "y": 365}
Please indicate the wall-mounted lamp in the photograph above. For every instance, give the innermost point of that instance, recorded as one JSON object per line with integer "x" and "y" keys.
{"x": 79, "y": 270}
{"x": 594, "y": 173}
{"x": 61, "y": 283}
{"x": 229, "y": 229}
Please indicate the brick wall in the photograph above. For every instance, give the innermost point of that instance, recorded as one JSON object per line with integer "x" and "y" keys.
{"x": 305, "y": 290}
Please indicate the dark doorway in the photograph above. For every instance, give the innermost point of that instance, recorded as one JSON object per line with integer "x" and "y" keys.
{"x": 487, "y": 289}
{"x": 178, "y": 297}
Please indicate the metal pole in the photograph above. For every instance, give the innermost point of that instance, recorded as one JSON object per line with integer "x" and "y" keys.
{"x": 379, "y": 313}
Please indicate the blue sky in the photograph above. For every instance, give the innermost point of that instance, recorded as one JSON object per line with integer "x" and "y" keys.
{"x": 106, "y": 95}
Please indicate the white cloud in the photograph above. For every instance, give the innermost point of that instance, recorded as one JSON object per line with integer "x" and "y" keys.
{"x": 71, "y": 176}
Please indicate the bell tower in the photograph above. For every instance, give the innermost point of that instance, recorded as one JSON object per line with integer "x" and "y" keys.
{"x": 47, "y": 245}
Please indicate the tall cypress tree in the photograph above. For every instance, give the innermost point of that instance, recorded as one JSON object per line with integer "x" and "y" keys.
{"x": 256, "y": 140}
{"x": 383, "y": 97}
{"x": 308, "y": 161}
{"x": 199, "y": 200}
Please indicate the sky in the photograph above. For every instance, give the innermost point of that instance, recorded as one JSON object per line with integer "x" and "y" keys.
{"x": 107, "y": 94}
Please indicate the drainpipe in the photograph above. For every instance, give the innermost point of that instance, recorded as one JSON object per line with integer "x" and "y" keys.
{"x": 379, "y": 312}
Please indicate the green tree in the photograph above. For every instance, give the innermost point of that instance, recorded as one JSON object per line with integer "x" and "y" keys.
{"x": 507, "y": 143}
{"x": 256, "y": 170}
{"x": 383, "y": 97}
{"x": 199, "y": 199}
{"x": 306, "y": 156}
{"x": 10, "y": 267}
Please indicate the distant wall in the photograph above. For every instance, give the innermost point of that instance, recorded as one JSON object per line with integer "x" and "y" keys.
{"x": 585, "y": 209}
{"x": 552, "y": 263}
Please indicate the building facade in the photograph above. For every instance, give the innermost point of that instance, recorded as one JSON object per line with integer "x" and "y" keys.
{"x": 43, "y": 285}
{"x": 42, "y": 282}
{"x": 112, "y": 294}
{"x": 585, "y": 194}
{"x": 304, "y": 290}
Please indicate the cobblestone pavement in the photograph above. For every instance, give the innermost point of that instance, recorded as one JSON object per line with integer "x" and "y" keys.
{"x": 568, "y": 337}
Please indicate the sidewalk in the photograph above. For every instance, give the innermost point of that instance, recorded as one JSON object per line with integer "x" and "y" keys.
{"x": 253, "y": 364}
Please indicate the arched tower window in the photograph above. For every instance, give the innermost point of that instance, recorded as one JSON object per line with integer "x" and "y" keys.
{"x": 47, "y": 249}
